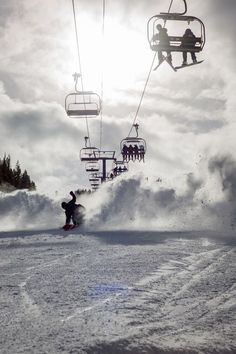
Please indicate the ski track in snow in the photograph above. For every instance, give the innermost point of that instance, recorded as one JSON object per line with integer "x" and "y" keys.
{"x": 136, "y": 293}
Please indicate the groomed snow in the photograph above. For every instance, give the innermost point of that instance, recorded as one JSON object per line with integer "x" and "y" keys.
{"x": 107, "y": 288}
{"x": 116, "y": 292}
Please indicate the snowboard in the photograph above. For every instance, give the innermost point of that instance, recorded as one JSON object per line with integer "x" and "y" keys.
{"x": 185, "y": 66}
{"x": 172, "y": 67}
{"x": 68, "y": 227}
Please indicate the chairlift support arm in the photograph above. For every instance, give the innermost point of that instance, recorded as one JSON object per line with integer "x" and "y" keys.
{"x": 178, "y": 13}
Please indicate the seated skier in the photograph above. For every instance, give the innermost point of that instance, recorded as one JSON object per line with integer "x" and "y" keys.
{"x": 125, "y": 152}
{"x": 73, "y": 211}
{"x": 164, "y": 41}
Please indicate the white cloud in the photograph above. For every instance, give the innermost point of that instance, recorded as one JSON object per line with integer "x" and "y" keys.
{"x": 182, "y": 115}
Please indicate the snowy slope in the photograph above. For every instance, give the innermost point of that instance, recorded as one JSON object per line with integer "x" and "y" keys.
{"x": 117, "y": 292}
{"x": 133, "y": 279}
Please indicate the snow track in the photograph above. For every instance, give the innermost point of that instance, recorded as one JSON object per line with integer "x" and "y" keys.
{"x": 117, "y": 293}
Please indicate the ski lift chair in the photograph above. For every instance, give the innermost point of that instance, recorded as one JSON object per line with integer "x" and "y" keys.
{"x": 133, "y": 148}
{"x": 119, "y": 167}
{"x": 94, "y": 189}
{"x": 95, "y": 185}
{"x": 175, "y": 44}
{"x": 92, "y": 166}
{"x": 93, "y": 179}
{"x": 88, "y": 154}
{"x": 82, "y": 104}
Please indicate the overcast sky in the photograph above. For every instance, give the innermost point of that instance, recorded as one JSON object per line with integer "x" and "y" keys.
{"x": 185, "y": 117}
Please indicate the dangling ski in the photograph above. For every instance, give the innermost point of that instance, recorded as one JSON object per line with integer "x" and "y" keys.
{"x": 165, "y": 59}
{"x": 186, "y": 65}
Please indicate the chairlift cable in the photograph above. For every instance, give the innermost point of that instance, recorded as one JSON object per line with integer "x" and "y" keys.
{"x": 79, "y": 61}
{"x": 140, "y": 102}
{"x": 171, "y": 2}
{"x": 102, "y": 73}
{"x": 145, "y": 86}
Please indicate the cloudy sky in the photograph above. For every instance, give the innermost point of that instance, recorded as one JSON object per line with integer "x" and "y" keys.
{"x": 185, "y": 117}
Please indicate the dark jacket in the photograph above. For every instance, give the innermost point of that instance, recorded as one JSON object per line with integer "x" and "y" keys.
{"x": 70, "y": 208}
{"x": 189, "y": 39}
{"x": 162, "y": 37}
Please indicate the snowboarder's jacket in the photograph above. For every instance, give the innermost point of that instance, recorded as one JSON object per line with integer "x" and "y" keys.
{"x": 73, "y": 211}
{"x": 189, "y": 39}
{"x": 70, "y": 208}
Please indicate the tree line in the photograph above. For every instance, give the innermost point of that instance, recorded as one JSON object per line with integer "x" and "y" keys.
{"x": 14, "y": 176}
{"x": 83, "y": 191}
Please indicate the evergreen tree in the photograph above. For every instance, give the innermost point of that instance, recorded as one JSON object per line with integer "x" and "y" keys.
{"x": 17, "y": 175}
{"x": 25, "y": 181}
{"x": 14, "y": 176}
{"x": 32, "y": 186}
{"x": 6, "y": 168}
{"x": 10, "y": 178}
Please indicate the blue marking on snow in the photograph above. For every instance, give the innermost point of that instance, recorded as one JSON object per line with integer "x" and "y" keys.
{"x": 106, "y": 289}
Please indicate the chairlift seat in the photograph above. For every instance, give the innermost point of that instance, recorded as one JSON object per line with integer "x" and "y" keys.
{"x": 92, "y": 169}
{"x": 82, "y": 112}
{"x": 92, "y": 166}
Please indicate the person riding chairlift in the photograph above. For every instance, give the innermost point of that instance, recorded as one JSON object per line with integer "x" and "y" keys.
{"x": 164, "y": 40}
{"x": 141, "y": 153}
{"x": 130, "y": 153}
{"x": 136, "y": 152}
{"x": 125, "y": 152}
{"x": 188, "y": 41}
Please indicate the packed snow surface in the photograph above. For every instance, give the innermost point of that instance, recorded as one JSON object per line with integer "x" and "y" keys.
{"x": 107, "y": 288}
{"x": 117, "y": 292}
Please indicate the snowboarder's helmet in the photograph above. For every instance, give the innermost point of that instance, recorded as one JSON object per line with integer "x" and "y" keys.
{"x": 188, "y": 31}
{"x": 63, "y": 205}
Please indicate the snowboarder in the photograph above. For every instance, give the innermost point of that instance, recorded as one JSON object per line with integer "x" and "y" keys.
{"x": 73, "y": 211}
{"x": 188, "y": 41}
